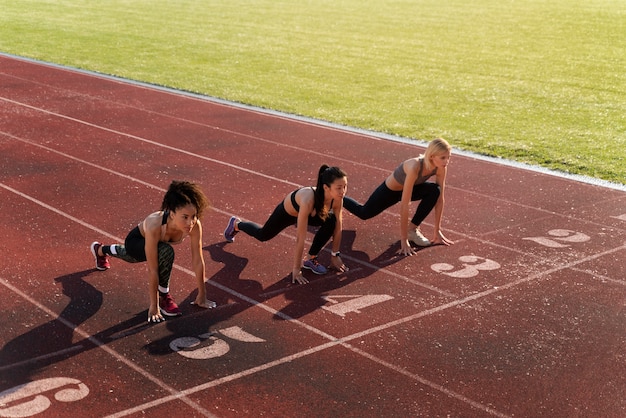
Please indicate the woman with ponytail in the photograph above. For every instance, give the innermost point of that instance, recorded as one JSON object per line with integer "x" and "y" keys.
{"x": 319, "y": 206}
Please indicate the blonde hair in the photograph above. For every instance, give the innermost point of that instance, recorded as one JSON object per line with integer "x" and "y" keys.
{"x": 437, "y": 146}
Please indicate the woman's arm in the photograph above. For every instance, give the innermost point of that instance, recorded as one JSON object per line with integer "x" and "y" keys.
{"x": 335, "y": 261}
{"x": 306, "y": 207}
{"x": 410, "y": 168}
{"x": 197, "y": 262}
{"x": 438, "y": 237}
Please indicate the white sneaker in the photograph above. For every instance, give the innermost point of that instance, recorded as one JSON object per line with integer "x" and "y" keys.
{"x": 417, "y": 238}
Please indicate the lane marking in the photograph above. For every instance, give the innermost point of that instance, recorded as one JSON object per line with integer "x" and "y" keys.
{"x": 104, "y": 347}
{"x": 317, "y": 123}
{"x": 215, "y": 209}
{"x": 464, "y": 300}
{"x": 156, "y": 144}
{"x": 37, "y": 359}
{"x": 426, "y": 382}
{"x": 333, "y": 340}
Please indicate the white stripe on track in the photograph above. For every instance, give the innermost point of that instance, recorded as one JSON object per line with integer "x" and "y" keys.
{"x": 148, "y": 141}
{"x": 110, "y": 351}
{"x": 332, "y": 340}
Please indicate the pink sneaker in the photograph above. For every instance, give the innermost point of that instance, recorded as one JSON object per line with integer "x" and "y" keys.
{"x": 102, "y": 261}
{"x": 168, "y": 307}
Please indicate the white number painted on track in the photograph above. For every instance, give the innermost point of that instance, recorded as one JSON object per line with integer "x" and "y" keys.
{"x": 355, "y": 304}
{"x": 621, "y": 217}
{"x": 28, "y": 399}
{"x": 197, "y": 348}
{"x": 560, "y": 238}
{"x": 471, "y": 266}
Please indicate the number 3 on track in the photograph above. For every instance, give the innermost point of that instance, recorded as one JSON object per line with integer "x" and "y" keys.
{"x": 470, "y": 267}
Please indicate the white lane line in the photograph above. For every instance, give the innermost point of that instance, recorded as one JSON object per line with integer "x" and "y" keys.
{"x": 225, "y": 379}
{"x": 174, "y": 393}
{"x": 333, "y": 340}
{"x": 37, "y": 359}
{"x": 104, "y": 347}
{"x": 426, "y": 382}
{"x": 391, "y": 324}
{"x": 156, "y": 144}
{"x": 317, "y": 123}
{"x": 215, "y": 209}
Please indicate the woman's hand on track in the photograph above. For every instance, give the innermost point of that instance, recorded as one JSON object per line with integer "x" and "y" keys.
{"x": 337, "y": 264}
{"x": 440, "y": 239}
{"x": 298, "y": 278}
{"x": 204, "y": 303}
{"x": 406, "y": 248}
{"x": 154, "y": 316}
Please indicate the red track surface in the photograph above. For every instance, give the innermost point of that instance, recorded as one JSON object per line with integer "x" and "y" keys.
{"x": 524, "y": 316}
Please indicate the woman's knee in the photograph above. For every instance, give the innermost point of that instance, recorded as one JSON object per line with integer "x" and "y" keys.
{"x": 434, "y": 188}
{"x": 330, "y": 222}
{"x": 430, "y": 191}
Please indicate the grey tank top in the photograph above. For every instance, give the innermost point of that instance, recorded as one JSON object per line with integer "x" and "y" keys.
{"x": 400, "y": 175}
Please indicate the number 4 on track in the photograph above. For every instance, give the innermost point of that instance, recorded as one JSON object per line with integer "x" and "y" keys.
{"x": 355, "y": 304}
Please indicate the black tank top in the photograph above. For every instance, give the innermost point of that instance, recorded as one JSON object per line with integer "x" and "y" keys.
{"x": 296, "y": 206}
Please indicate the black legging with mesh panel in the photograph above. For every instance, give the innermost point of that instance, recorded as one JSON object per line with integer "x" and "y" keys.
{"x": 134, "y": 251}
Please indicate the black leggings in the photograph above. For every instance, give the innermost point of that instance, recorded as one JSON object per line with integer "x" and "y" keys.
{"x": 280, "y": 220}
{"x": 383, "y": 198}
{"x": 134, "y": 251}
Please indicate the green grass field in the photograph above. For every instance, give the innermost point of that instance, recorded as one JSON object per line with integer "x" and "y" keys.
{"x": 540, "y": 82}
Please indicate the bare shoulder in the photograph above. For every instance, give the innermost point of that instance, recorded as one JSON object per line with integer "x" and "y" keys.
{"x": 152, "y": 223}
{"x": 306, "y": 197}
{"x": 412, "y": 164}
{"x": 411, "y": 167}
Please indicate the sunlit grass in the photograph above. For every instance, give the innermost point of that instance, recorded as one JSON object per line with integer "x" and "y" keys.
{"x": 534, "y": 81}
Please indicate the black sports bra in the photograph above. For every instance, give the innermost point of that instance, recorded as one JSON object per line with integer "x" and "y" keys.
{"x": 295, "y": 204}
{"x": 166, "y": 213}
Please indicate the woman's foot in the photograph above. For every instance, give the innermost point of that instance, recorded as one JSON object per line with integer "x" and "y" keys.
{"x": 313, "y": 265}
{"x": 416, "y": 237}
{"x": 231, "y": 229}
{"x": 168, "y": 307}
{"x": 102, "y": 261}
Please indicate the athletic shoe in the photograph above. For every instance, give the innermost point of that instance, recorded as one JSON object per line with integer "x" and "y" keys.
{"x": 102, "y": 261}
{"x": 416, "y": 237}
{"x": 314, "y": 266}
{"x": 168, "y": 307}
{"x": 230, "y": 231}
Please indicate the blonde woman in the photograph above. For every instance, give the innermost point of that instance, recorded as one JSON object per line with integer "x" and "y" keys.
{"x": 407, "y": 183}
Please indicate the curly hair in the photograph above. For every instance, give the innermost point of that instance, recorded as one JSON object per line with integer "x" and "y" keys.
{"x": 183, "y": 193}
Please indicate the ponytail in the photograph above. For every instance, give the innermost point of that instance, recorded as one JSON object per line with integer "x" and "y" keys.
{"x": 326, "y": 176}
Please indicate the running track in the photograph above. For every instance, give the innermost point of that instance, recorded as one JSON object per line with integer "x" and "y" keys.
{"x": 523, "y": 316}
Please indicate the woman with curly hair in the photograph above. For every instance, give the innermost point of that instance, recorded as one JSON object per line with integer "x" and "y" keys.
{"x": 151, "y": 241}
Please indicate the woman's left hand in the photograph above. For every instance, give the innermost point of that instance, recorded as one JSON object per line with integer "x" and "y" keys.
{"x": 337, "y": 264}
{"x": 204, "y": 303}
{"x": 440, "y": 239}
